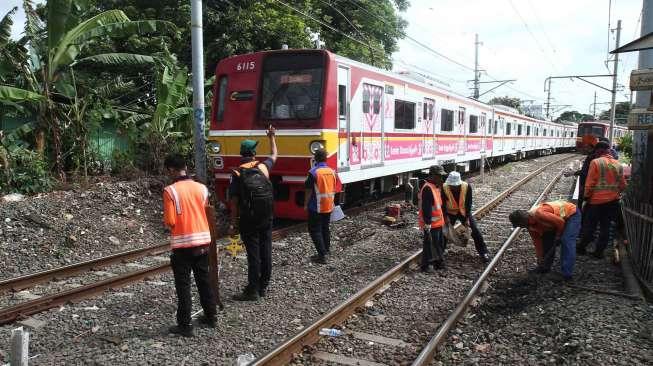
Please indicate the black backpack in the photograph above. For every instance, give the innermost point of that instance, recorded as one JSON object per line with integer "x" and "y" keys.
{"x": 256, "y": 198}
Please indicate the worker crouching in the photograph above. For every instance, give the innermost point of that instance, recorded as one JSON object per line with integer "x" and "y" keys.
{"x": 547, "y": 224}
{"x": 431, "y": 220}
{"x": 457, "y": 200}
{"x": 184, "y": 203}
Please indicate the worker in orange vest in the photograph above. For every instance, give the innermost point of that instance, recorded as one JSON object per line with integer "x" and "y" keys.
{"x": 605, "y": 182}
{"x": 548, "y": 223}
{"x": 251, "y": 198}
{"x": 431, "y": 220}
{"x": 320, "y": 187}
{"x": 184, "y": 213}
{"x": 457, "y": 200}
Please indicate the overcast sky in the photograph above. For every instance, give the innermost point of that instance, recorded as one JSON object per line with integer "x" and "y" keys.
{"x": 527, "y": 40}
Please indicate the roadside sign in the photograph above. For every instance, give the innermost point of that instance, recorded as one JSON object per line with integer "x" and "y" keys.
{"x": 640, "y": 119}
{"x": 641, "y": 79}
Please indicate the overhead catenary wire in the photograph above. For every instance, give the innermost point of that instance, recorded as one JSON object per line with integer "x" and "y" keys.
{"x": 537, "y": 42}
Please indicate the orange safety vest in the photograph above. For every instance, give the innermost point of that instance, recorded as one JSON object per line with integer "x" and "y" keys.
{"x": 453, "y": 207}
{"x": 324, "y": 188}
{"x": 560, "y": 208}
{"x": 437, "y": 219}
{"x": 608, "y": 186}
{"x": 184, "y": 212}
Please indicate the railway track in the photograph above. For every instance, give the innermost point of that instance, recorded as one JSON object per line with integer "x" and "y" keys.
{"x": 24, "y": 309}
{"x": 402, "y": 285}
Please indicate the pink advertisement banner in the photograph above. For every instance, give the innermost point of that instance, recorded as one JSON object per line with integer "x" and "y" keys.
{"x": 395, "y": 150}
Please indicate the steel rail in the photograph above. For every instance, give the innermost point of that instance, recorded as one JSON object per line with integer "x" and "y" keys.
{"x": 309, "y": 335}
{"x": 29, "y": 280}
{"x": 426, "y": 356}
{"x": 27, "y": 308}
{"x": 13, "y": 313}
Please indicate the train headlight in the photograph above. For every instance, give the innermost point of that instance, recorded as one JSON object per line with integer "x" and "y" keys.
{"x": 214, "y": 147}
{"x": 315, "y": 146}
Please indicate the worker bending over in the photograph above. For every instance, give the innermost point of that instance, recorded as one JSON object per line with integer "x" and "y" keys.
{"x": 548, "y": 223}
{"x": 457, "y": 200}
{"x": 184, "y": 203}
{"x": 251, "y": 195}
{"x": 431, "y": 220}
{"x": 605, "y": 182}
{"x": 319, "y": 196}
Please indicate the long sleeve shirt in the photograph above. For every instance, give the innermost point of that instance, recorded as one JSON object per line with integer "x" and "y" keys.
{"x": 541, "y": 222}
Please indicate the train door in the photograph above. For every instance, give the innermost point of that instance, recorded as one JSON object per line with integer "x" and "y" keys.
{"x": 428, "y": 123}
{"x": 343, "y": 118}
{"x": 461, "y": 131}
{"x": 483, "y": 131}
{"x": 372, "y": 125}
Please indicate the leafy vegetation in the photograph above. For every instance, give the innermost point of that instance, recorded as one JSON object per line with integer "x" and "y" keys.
{"x": 81, "y": 68}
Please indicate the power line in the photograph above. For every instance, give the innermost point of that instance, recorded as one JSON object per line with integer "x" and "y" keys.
{"x": 325, "y": 24}
{"x": 539, "y": 21}
{"x": 528, "y": 28}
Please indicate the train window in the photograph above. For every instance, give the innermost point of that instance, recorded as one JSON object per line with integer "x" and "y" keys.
{"x": 377, "y": 103}
{"x": 496, "y": 126}
{"x": 473, "y": 123}
{"x": 528, "y": 130}
{"x": 342, "y": 97}
{"x": 446, "y": 120}
{"x": 431, "y": 113}
{"x": 544, "y": 132}
{"x": 508, "y": 128}
{"x": 425, "y": 111}
{"x": 519, "y": 130}
{"x": 222, "y": 97}
{"x": 489, "y": 127}
{"x": 292, "y": 86}
{"x": 404, "y": 115}
{"x": 572, "y": 133}
{"x": 366, "y": 100}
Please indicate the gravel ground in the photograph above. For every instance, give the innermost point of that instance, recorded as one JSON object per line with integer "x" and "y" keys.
{"x": 540, "y": 320}
{"x": 63, "y": 227}
{"x": 412, "y": 309}
{"x": 128, "y": 326}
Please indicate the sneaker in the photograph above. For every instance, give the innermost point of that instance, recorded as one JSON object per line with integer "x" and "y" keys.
{"x": 581, "y": 251}
{"x": 427, "y": 269}
{"x": 567, "y": 279}
{"x": 184, "y": 331}
{"x": 538, "y": 270}
{"x": 439, "y": 265}
{"x": 485, "y": 258}
{"x": 246, "y": 295}
{"x": 318, "y": 259}
{"x": 209, "y": 321}
{"x": 262, "y": 292}
{"x": 597, "y": 255}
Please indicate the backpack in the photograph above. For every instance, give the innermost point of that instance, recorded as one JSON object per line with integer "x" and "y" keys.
{"x": 256, "y": 198}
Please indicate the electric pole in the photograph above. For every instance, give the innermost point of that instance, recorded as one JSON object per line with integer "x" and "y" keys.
{"x": 614, "y": 83}
{"x": 197, "y": 43}
{"x": 548, "y": 99}
{"x": 594, "y": 112}
{"x": 477, "y": 72}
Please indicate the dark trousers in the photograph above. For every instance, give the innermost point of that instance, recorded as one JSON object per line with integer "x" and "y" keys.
{"x": 318, "y": 227}
{"x": 603, "y": 215}
{"x": 258, "y": 244}
{"x": 433, "y": 247}
{"x": 479, "y": 243}
{"x": 183, "y": 261}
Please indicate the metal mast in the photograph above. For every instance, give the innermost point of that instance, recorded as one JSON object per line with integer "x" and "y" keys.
{"x": 197, "y": 43}
{"x": 477, "y": 72}
{"x": 614, "y": 83}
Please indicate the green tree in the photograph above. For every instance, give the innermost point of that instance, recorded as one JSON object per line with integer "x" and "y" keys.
{"x": 237, "y": 27}
{"x": 574, "y": 116}
{"x": 507, "y": 101}
{"x": 57, "y": 34}
{"x": 622, "y": 110}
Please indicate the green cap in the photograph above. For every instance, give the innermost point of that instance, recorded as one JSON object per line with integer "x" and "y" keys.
{"x": 248, "y": 148}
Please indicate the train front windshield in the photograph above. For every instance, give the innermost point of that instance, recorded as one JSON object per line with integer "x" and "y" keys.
{"x": 292, "y": 86}
{"x": 593, "y": 130}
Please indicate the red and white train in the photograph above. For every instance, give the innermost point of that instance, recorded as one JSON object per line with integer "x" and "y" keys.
{"x": 378, "y": 127}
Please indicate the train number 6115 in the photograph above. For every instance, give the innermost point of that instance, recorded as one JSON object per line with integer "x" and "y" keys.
{"x": 245, "y": 66}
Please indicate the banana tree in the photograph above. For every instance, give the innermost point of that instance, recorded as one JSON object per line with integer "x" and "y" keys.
{"x": 54, "y": 49}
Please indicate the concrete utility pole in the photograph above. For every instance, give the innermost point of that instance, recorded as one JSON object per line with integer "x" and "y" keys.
{"x": 548, "y": 100}
{"x": 594, "y": 111}
{"x": 477, "y": 72}
{"x": 614, "y": 83}
{"x": 645, "y": 56}
{"x": 197, "y": 42}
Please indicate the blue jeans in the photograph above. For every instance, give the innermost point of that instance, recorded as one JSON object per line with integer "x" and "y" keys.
{"x": 567, "y": 245}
